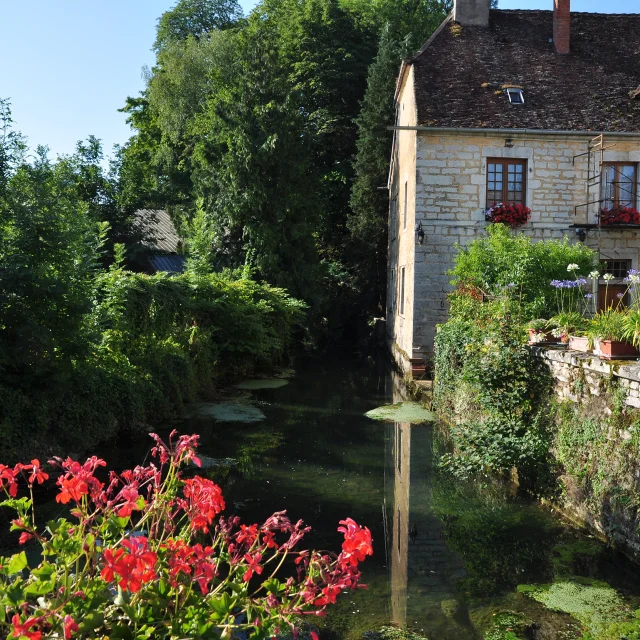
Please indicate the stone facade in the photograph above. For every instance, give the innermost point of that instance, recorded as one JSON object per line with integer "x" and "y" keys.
{"x": 444, "y": 174}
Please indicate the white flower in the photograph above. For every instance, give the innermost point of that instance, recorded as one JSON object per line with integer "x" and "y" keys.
{"x": 573, "y": 267}
{"x": 607, "y": 277}
{"x": 594, "y": 275}
{"x": 634, "y": 278}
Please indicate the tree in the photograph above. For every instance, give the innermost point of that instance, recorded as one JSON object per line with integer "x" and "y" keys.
{"x": 195, "y": 18}
{"x": 369, "y": 201}
{"x": 411, "y": 25}
{"x": 49, "y": 246}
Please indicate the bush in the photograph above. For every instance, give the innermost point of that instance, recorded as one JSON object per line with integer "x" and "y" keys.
{"x": 152, "y": 343}
{"x": 481, "y": 360}
{"x": 505, "y": 258}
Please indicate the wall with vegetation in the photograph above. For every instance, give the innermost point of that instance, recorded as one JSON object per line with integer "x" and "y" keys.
{"x": 596, "y": 441}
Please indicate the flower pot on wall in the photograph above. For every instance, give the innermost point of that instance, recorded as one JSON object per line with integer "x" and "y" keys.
{"x": 542, "y": 337}
{"x": 579, "y": 343}
{"x": 615, "y": 349}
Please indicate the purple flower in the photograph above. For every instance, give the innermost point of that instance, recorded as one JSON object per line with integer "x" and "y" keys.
{"x": 581, "y": 282}
{"x": 511, "y": 285}
{"x": 619, "y": 295}
{"x": 589, "y": 296}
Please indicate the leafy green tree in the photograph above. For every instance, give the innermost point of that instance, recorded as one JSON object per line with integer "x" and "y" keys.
{"x": 370, "y": 202}
{"x": 195, "y": 18}
{"x": 49, "y": 245}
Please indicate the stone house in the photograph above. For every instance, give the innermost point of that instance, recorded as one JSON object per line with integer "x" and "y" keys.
{"x": 540, "y": 108}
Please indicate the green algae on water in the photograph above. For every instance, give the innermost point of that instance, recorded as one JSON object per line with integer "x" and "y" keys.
{"x": 262, "y": 383}
{"x": 226, "y": 412}
{"x": 596, "y": 605}
{"x": 412, "y": 412}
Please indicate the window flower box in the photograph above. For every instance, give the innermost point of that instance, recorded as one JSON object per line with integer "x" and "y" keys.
{"x": 579, "y": 343}
{"x": 615, "y": 350}
{"x": 513, "y": 215}
{"x": 619, "y": 215}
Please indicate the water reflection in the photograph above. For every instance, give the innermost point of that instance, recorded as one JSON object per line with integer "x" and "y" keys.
{"x": 424, "y": 570}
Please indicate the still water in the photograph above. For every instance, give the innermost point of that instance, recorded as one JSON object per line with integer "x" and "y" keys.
{"x": 448, "y": 557}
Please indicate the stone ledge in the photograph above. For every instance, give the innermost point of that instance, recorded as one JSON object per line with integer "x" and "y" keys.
{"x": 564, "y": 364}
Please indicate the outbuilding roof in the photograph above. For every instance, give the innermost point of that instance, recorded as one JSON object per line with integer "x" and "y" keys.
{"x": 158, "y": 230}
{"x": 461, "y": 76}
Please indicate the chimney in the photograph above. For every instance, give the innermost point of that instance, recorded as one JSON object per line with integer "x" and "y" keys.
{"x": 561, "y": 25}
{"x": 471, "y": 13}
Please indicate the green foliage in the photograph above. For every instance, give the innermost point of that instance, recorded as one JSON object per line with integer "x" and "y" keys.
{"x": 596, "y": 469}
{"x": 369, "y": 204}
{"x": 195, "y": 18}
{"x": 49, "y": 247}
{"x": 481, "y": 359}
{"x": 258, "y": 124}
{"x": 504, "y": 257}
{"x": 608, "y": 325}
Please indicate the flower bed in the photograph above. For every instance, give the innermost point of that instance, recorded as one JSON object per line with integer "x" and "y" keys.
{"x": 619, "y": 215}
{"x": 144, "y": 554}
{"x": 513, "y": 215}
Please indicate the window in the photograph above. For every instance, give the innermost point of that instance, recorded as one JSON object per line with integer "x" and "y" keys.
{"x": 404, "y": 226}
{"x": 617, "y": 268}
{"x": 402, "y": 291}
{"x": 399, "y": 447}
{"x": 506, "y": 181}
{"x": 515, "y": 95}
{"x": 394, "y": 215}
{"x": 619, "y": 185}
{"x": 392, "y": 289}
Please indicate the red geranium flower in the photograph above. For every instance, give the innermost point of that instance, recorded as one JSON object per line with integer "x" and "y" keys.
{"x": 22, "y": 630}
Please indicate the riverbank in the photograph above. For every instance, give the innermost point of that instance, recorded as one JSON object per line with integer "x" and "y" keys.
{"x": 152, "y": 344}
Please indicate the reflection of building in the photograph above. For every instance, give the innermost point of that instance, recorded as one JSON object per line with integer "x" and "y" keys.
{"x": 423, "y": 570}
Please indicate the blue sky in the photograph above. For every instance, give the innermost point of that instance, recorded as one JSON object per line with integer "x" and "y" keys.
{"x": 68, "y": 65}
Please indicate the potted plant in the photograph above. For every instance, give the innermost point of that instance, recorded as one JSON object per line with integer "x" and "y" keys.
{"x": 608, "y": 333}
{"x": 540, "y": 332}
{"x": 569, "y": 327}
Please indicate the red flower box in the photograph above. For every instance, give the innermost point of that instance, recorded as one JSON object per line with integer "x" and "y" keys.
{"x": 619, "y": 215}
{"x": 513, "y": 215}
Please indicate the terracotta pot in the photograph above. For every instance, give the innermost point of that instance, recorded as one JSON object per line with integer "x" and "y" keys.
{"x": 614, "y": 349}
{"x": 579, "y": 343}
{"x": 548, "y": 337}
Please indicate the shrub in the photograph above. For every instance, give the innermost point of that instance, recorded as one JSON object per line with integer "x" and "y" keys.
{"x": 481, "y": 357}
{"x": 146, "y": 556}
{"x": 505, "y": 258}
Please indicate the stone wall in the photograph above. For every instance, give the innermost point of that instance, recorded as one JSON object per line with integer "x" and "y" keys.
{"x": 601, "y": 480}
{"x": 579, "y": 376}
{"x": 401, "y": 248}
{"x": 449, "y": 191}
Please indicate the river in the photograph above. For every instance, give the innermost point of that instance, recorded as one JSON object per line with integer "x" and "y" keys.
{"x": 450, "y": 559}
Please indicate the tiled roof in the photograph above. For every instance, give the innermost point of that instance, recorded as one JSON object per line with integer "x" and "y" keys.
{"x": 169, "y": 264}
{"x": 158, "y": 229}
{"x": 459, "y": 77}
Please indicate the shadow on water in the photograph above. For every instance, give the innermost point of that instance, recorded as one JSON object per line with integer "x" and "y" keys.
{"x": 448, "y": 556}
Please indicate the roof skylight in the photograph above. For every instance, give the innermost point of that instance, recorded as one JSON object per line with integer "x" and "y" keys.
{"x": 516, "y": 96}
